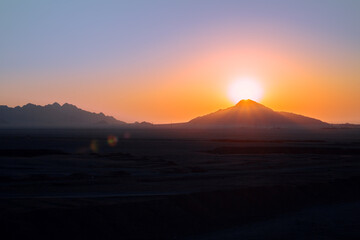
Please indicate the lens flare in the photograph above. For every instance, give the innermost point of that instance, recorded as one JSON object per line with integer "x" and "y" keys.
{"x": 112, "y": 140}
{"x": 94, "y": 147}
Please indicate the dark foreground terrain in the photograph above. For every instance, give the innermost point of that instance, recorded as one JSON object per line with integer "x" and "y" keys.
{"x": 180, "y": 184}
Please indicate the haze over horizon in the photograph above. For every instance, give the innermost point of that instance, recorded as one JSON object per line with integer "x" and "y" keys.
{"x": 164, "y": 62}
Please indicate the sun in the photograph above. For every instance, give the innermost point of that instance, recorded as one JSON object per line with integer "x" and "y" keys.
{"x": 245, "y": 88}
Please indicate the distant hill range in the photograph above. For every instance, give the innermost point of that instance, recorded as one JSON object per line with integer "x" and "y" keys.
{"x": 246, "y": 113}
{"x": 53, "y": 115}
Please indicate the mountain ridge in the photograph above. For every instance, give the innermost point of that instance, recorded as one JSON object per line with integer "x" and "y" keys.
{"x": 53, "y": 115}
{"x": 248, "y": 113}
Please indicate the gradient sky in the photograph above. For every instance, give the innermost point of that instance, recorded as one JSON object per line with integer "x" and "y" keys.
{"x": 170, "y": 61}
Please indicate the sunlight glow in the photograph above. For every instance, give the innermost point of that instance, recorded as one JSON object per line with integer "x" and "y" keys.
{"x": 245, "y": 88}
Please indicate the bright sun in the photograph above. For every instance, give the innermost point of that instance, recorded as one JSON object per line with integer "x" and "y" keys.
{"x": 245, "y": 88}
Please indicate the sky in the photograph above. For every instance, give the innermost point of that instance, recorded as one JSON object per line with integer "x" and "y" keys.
{"x": 171, "y": 61}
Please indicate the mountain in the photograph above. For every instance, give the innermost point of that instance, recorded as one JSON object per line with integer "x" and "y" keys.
{"x": 248, "y": 113}
{"x": 53, "y": 115}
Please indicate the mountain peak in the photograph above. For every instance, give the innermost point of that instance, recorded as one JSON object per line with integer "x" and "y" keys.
{"x": 70, "y": 106}
{"x": 55, "y": 105}
{"x": 250, "y": 105}
{"x": 248, "y": 113}
{"x": 245, "y": 102}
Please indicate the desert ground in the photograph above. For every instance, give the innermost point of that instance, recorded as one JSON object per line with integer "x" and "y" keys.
{"x": 165, "y": 183}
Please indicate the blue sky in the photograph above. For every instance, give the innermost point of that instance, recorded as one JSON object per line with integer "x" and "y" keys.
{"x": 75, "y": 34}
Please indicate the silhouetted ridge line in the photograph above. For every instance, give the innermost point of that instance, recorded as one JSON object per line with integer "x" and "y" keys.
{"x": 248, "y": 113}
{"x": 53, "y": 115}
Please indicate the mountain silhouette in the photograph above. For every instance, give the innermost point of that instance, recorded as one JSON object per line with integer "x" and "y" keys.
{"x": 248, "y": 113}
{"x": 53, "y": 115}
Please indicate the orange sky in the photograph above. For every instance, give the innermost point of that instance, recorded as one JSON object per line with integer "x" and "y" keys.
{"x": 306, "y": 58}
{"x": 196, "y": 84}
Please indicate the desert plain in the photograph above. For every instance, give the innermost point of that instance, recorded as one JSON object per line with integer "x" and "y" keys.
{"x": 173, "y": 183}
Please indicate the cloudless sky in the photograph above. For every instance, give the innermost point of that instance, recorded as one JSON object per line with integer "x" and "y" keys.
{"x": 170, "y": 61}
